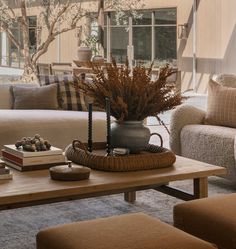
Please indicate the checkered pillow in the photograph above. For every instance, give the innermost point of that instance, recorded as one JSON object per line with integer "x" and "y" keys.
{"x": 69, "y": 98}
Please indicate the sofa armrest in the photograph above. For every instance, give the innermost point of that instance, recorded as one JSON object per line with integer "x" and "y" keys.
{"x": 183, "y": 115}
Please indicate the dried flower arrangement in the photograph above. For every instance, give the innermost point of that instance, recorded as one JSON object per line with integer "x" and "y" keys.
{"x": 133, "y": 95}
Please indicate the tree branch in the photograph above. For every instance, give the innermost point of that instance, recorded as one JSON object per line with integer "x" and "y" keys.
{"x": 50, "y": 37}
{"x": 11, "y": 36}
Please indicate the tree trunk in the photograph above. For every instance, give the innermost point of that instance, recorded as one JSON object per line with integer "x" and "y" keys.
{"x": 29, "y": 73}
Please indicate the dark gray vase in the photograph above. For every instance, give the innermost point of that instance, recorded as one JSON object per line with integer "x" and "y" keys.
{"x": 133, "y": 135}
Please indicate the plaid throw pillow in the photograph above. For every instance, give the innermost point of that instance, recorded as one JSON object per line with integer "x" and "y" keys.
{"x": 69, "y": 98}
{"x": 221, "y": 105}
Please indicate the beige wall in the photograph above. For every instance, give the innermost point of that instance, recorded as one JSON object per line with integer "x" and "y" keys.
{"x": 216, "y": 40}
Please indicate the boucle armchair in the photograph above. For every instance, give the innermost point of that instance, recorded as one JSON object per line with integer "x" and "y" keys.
{"x": 191, "y": 138}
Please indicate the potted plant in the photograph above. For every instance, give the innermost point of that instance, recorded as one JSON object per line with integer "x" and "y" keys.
{"x": 133, "y": 97}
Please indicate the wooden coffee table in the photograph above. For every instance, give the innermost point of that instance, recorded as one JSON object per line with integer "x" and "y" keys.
{"x": 36, "y": 187}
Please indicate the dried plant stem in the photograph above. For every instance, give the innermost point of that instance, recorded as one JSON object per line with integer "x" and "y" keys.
{"x": 161, "y": 122}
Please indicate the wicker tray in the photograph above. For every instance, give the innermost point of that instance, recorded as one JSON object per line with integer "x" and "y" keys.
{"x": 152, "y": 158}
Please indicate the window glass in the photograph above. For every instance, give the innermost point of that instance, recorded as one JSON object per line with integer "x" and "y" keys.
{"x": 105, "y": 42}
{"x": 14, "y": 58}
{"x": 32, "y": 40}
{"x": 165, "y": 16}
{"x": 105, "y": 18}
{"x": 146, "y": 19}
{"x": 165, "y": 43}
{"x": 32, "y": 33}
{"x": 13, "y": 50}
{"x": 142, "y": 37}
{"x": 119, "y": 43}
{"x": 32, "y": 21}
{"x": 119, "y": 19}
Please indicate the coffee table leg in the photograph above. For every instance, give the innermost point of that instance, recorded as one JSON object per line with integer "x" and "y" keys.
{"x": 200, "y": 187}
{"x": 130, "y": 196}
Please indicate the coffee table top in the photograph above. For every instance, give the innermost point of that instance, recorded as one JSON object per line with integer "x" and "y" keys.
{"x": 33, "y": 186}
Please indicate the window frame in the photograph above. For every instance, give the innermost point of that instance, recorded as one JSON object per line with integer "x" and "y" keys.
{"x": 130, "y": 26}
{"x": 19, "y": 58}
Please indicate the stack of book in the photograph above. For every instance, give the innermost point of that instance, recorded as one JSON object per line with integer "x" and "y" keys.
{"x": 26, "y": 160}
{"x": 4, "y": 171}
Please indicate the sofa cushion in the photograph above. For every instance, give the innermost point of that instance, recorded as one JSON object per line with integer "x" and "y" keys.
{"x": 59, "y": 127}
{"x": 131, "y": 231}
{"x": 210, "y": 144}
{"x": 212, "y": 219}
{"x": 6, "y": 96}
{"x": 69, "y": 97}
{"x": 35, "y": 97}
{"x": 221, "y": 105}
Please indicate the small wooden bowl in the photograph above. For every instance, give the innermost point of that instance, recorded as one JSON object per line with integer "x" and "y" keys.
{"x": 69, "y": 172}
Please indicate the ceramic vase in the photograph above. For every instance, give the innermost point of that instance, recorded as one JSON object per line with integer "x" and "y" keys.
{"x": 133, "y": 135}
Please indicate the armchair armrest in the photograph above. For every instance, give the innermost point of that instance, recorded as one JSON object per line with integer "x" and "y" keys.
{"x": 183, "y": 115}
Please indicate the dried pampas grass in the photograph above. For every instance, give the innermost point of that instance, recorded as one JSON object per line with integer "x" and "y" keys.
{"x": 133, "y": 96}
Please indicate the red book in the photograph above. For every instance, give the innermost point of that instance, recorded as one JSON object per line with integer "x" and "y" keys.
{"x": 31, "y": 167}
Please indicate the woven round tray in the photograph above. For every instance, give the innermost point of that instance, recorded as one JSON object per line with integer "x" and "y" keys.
{"x": 152, "y": 157}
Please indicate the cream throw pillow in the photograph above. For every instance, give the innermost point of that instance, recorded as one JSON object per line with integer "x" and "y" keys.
{"x": 221, "y": 105}
{"x": 44, "y": 97}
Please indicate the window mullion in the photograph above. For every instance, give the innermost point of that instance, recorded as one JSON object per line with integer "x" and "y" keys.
{"x": 108, "y": 38}
{"x": 130, "y": 49}
{"x": 153, "y": 36}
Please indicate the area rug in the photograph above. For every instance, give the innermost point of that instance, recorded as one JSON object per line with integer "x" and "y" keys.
{"x": 18, "y": 227}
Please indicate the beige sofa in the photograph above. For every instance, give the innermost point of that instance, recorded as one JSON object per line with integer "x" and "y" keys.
{"x": 59, "y": 127}
{"x": 190, "y": 137}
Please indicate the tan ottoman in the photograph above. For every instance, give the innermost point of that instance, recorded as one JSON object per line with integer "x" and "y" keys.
{"x": 132, "y": 231}
{"x": 212, "y": 219}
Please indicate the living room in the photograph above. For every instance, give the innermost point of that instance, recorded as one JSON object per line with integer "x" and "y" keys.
{"x": 117, "y": 116}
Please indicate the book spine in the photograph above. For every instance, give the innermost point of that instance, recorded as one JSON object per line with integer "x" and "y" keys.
{"x": 12, "y": 158}
{"x": 23, "y": 154}
{"x": 32, "y": 160}
{"x": 32, "y": 167}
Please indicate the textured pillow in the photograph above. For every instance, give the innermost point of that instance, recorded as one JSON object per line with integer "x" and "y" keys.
{"x": 6, "y": 95}
{"x": 69, "y": 98}
{"x": 228, "y": 80}
{"x": 35, "y": 97}
{"x": 221, "y": 105}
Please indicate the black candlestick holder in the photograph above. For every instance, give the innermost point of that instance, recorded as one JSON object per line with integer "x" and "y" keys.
{"x": 108, "y": 113}
{"x": 90, "y": 129}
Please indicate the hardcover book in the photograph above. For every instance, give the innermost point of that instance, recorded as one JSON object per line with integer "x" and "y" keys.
{"x": 31, "y": 167}
{"x": 2, "y": 164}
{"x": 27, "y": 161}
{"x": 21, "y": 153}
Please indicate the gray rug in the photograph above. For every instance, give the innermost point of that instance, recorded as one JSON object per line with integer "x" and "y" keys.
{"x": 18, "y": 227}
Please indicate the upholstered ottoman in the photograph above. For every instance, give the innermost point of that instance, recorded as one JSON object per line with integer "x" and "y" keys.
{"x": 132, "y": 231}
{"x": 211, "y": 219}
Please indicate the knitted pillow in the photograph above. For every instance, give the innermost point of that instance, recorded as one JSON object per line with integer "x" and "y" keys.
{"x": 221, "y": 106}
{"x": 69, "y": 97}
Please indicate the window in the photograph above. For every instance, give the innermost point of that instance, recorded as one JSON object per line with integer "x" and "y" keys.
{"x": 165, "y": 34}
{"x": 13, "y": 57}
{"x": 153, "y": 37}
{"x": 118, "y": 38}
{"x": 32, "y": 33}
